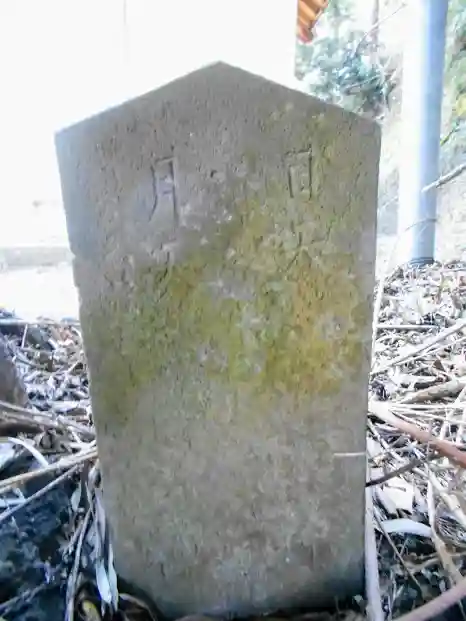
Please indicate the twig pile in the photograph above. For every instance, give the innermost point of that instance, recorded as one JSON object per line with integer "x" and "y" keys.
{"x": 55, "y": 429}
{"x": 416, "y": 436}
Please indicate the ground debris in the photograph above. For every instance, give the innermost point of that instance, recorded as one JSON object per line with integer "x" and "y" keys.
{"x": 416, "y": 427}
{"x": 56, "y": 559}
{"x": 46, "y": 440}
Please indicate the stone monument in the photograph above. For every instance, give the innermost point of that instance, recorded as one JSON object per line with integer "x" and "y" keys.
{"x": 223, "y": 231}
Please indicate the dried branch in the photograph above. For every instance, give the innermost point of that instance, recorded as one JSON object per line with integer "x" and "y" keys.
{"x": 377, "y": 25}
{"x": 446, "y": 178}
{"x": 409, "y": 467}
{"x": 61, "y": 464}
{"x": 444, "y": 334}
{"x": 44, "y": 490}
{"x": 436, "y": 392}
{"x": 438, "y": 605}
{"x": 399, "y": 327}
{"x": 447, "y": 449}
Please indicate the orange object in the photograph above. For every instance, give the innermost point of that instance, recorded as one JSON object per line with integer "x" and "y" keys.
{"x": 309, "y": 12}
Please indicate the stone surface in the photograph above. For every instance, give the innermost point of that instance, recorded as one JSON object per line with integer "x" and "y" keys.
{"x": 12, "y": 388}
{"x": 223, "y": 229}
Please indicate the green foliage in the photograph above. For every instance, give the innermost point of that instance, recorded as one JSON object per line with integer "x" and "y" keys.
{"x": 340, "y": 66}
{"x": 338, "y": 11}
{"x": 456, "y": 56}
{"x": 457, "y": 19}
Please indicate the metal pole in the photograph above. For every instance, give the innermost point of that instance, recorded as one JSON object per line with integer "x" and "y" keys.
{"x": 423, "y": 65}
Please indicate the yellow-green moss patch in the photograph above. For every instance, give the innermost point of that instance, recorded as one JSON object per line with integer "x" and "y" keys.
{"x": 269, "y": 305}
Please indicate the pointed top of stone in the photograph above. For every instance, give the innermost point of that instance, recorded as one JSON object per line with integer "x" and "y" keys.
{"x": 217, "y": 76}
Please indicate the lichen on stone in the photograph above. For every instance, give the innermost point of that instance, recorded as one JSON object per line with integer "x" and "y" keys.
{"x": 267, "y": 304}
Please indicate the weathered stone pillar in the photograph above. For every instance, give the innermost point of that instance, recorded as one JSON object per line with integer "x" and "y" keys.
{"x": 223, "y": 229}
